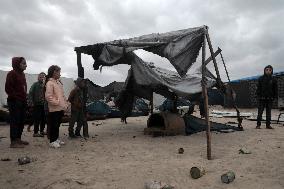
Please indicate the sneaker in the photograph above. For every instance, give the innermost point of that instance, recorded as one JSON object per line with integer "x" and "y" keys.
{"x": 60, "y": 142}
{"x": 258, "y": 127}
{"x": 269, "y": 127}
{"x": 38, "y": 135}
{"x": 54, "y": 145}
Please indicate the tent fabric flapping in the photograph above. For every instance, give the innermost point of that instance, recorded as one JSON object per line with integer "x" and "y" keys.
{"x": 180, "y": 47}
{"x": 144, "y": 79}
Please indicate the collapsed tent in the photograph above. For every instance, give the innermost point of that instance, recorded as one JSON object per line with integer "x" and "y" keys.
{"x": 180, "y": 47}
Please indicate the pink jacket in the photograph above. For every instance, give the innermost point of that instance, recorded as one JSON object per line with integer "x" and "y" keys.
{"x": 54, "y": 95}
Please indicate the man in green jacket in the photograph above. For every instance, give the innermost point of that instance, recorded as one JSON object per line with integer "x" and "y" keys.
{"x": 36, "y": 101}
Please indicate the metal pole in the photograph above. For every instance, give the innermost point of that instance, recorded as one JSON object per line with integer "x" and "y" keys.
{"x": 205, "y": 97}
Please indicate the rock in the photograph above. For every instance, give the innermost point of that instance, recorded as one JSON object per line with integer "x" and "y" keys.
{"x": 168, "y": 187}
{"x": 197, "y": 172}
{"x": 79, "y": 182}
{"x": 228, "y": 177}
{"x": 153, "y": 185}
{"x": 180, "y": 150}
{"x": 5, "y": 159}
{"x": 244, "y": 151}
{"x": 157, "y": 185}
{"x": 24, "y": 160}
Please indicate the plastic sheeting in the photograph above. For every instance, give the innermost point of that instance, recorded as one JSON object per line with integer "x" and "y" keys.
{"x": 180, "y": 47}
{"x": 144, "y": 79}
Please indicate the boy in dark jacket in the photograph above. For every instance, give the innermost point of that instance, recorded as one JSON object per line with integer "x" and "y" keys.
{"x": 16, "y": 89}
{"x": 36, "y": 101}
{"x": 266, "y": 93}
{"x": 78, "y": 99}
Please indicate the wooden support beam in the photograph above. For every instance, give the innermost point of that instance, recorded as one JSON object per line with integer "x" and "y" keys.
{"x": 79, "y": 65}
{"x": 213, "y": 58}
{"x": 175, "y": 110}
{"x": 215, "y": 54}
{"x": 151, "y": 104}
{"x": 205, "y": 98}
{"x": 225, "y": 68}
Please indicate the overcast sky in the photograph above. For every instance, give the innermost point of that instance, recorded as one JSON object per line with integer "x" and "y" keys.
{"x": 45, "y": 32}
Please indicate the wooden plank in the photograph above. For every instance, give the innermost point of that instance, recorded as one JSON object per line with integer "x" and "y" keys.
{"x": 79, "y": 65}
{"x": 205, "y": 97}
{"x": 215, "y": 54}
{"x": 214, "y": 60}
{"x": 151, "y": 103}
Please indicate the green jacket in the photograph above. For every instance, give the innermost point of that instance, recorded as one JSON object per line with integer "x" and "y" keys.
{"x": 36, "y": 94}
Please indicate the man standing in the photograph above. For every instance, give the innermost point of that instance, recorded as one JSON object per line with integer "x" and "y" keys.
{"x": 16, "y": 89}
{"x": 78, "y": 99}
{"x": 36, "y": 101}
{"x": 266, "y": 93}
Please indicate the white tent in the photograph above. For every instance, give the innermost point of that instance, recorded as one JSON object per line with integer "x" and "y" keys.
{"x": 68, "y": 85}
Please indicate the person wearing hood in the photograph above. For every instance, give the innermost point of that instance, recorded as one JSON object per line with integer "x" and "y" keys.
{"x": 16, "y": 89}
{"x": 78, "y": 99}
{"x": 266, "y": 93}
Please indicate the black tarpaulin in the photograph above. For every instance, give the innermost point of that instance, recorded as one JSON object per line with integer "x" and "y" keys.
{"x": 180, "y": 47}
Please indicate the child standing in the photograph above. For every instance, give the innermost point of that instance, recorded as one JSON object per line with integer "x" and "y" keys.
{"x": 78, "y": 99}
{"x": 16, "y": 89}
{"x": 57, "y": 104}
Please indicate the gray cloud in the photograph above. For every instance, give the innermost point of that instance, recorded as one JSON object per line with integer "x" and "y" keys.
{"x": 46, "y": 32}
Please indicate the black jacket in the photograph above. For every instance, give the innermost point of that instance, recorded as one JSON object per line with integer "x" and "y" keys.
{"x": 267, "y": 88}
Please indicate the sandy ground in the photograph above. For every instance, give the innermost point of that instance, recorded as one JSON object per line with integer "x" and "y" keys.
{"x": 119, "y": 156}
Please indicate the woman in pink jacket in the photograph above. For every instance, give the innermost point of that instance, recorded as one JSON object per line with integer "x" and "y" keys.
{"x": 57, "y": 104}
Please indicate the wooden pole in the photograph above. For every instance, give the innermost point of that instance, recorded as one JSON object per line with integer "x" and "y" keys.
{"x": 205, "y": 98}
{"x": 225, "y": 68}
{"x": 215, "y": 54}
{"x": 175, "y": 110}
{"x": 151, "y": 104}
{"x": 214, "y": 59}
{"x": 79, "y": 65}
